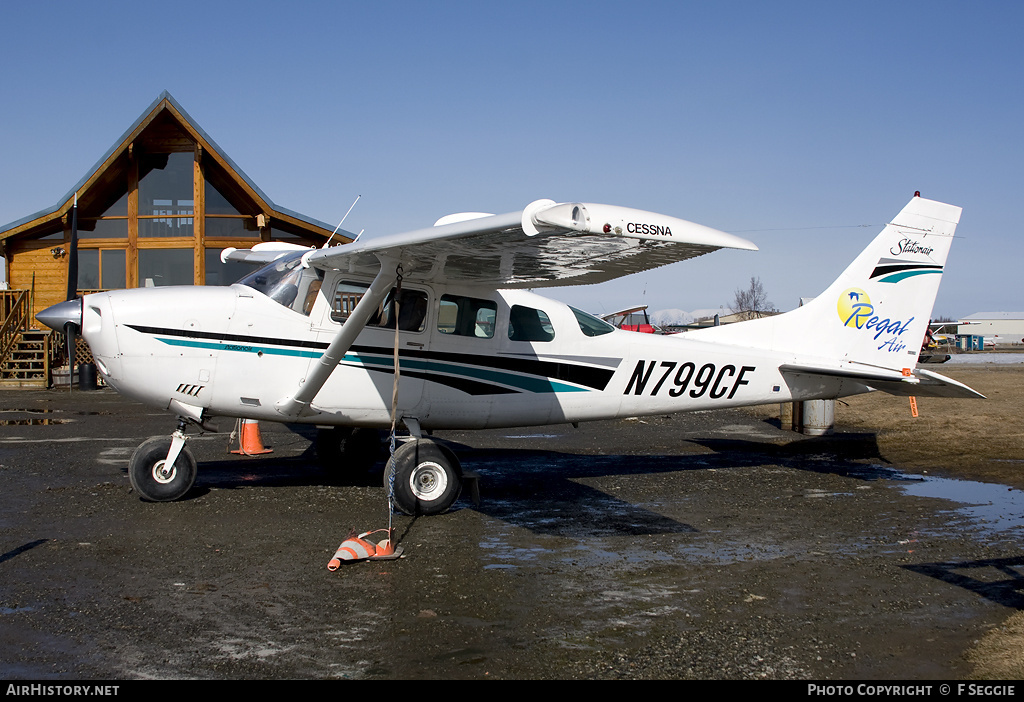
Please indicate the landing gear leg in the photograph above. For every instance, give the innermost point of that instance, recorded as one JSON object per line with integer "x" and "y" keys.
{"x": 163, "y": 469}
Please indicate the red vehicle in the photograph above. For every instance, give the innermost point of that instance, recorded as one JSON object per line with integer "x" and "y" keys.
{"x": 633, "y": 319}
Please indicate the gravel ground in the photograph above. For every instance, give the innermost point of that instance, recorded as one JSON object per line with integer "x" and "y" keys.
{"x": 703, "y": 546}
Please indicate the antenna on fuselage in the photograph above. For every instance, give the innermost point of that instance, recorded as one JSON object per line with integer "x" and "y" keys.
{"x": 328, "y": 242}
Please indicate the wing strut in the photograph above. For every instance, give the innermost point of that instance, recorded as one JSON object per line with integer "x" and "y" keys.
{"x": 299, "y": 404}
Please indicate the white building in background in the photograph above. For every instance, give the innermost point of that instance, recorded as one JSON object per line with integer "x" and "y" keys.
{"x": 996, "y": 327}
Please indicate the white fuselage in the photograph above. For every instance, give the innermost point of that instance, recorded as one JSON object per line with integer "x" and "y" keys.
{"x": 233, "y": 351}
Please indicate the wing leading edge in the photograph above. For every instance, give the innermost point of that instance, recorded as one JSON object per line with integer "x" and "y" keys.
{"x": 546, "y": 244}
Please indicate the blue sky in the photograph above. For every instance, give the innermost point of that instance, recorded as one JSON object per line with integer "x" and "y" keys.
{"x": 790, "y": 123}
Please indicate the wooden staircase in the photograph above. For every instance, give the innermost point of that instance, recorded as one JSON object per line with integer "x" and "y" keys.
{"x": 28, "y": 362}
{"x": 24, "y": 352}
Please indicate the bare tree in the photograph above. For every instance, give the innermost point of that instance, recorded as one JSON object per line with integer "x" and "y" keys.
{"x": 752, "y": 302}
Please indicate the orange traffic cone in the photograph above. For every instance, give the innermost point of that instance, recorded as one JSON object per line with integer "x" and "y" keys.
{"x": 355, "y": 548}
{"x": 251, "y": 442}
{"x": 352, "y": 549}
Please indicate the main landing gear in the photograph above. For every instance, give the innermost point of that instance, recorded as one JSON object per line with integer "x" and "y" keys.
{"x": 346, "y": 453}
{"x": 426, "y": 478}
{"x": 163, "y": 469}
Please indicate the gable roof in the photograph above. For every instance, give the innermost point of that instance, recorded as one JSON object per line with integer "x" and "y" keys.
{"x": 165, "y": 104}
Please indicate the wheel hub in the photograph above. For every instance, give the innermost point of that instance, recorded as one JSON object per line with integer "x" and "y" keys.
{"x": 428, "y": 480}
{"x": 161, "y": 474}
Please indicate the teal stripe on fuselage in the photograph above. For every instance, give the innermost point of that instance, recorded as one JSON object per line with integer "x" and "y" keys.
{"x": 242, "y": 348}
{"x": 521, "y": 382}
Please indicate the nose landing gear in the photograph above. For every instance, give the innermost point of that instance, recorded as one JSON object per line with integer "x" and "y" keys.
{"x": 163, "y": 469}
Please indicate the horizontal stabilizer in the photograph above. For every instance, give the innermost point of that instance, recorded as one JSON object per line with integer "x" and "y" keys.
{"x": 920, "y": 383}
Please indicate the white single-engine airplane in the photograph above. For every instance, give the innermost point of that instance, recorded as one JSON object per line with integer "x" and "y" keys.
{"x": 311, "y": 337}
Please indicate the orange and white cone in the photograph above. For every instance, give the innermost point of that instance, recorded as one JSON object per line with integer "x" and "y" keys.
{"x": 356, "y": 548}
{"x": 251, "y": 442}
{"x": 353, "y": 548}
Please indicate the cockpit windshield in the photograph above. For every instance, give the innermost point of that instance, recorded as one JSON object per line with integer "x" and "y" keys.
{"x": 286, "y": 282}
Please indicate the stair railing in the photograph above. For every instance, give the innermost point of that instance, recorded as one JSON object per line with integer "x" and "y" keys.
{"x": 15, "y": 305}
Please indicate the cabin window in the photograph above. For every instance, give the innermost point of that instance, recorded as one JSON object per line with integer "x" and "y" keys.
{"x": 412, "y": 307}
{"x": 591, "y": 325}
{"x": 528, "y": 324}
{"x": 459, "y": 315}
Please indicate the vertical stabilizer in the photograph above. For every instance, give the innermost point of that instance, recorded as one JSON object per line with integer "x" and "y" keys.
{"x": 876, "y": 313}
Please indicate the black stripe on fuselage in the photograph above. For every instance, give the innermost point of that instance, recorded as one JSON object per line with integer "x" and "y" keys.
{"x": 588, "y": 376}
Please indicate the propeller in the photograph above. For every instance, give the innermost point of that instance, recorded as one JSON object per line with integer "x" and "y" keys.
{"x": 66, "y": 316}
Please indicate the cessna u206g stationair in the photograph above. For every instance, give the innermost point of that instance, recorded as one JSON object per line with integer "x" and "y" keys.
{"x": 311, "y": 337}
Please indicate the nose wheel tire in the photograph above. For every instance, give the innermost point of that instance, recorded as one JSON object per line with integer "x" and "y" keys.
{"x": 153, "y": 479}
{"x": 427, "y": 478}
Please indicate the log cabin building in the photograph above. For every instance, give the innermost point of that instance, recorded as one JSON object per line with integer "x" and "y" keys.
{"x": 156, "y": 209}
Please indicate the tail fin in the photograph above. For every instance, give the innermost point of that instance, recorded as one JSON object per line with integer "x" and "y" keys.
{"x": 872, "y": 320}
{"x": 876, "y": 313}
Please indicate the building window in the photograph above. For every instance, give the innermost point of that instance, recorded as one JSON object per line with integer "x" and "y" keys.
{"x": 160, "y": 267}
{"x": 223, "y": 220}
{"x": 111, "y": 224}
{"x": 166, "y": 199}
{"x": 218, "y": 273}
{"x": 101, "y": 269}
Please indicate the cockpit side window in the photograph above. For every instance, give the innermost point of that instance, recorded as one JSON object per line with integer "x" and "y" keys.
{"x": 287, "y": 283}
{"x": 412, "y": 307}
{"x": 590, "y": 325}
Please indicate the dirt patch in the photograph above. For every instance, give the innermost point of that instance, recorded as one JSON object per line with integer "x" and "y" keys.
{"x": 980, "y": 440}
{"x": 971, "y": 439}
{"x": 701, "y": 546}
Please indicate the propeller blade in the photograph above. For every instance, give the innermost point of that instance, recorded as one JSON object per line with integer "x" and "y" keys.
{"x": 73, "y": 254}
{"x": 70, "y": 337}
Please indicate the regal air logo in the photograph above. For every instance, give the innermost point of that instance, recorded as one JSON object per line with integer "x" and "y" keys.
{"x": 855, "y": 308}
{"x": 856, "y": 311}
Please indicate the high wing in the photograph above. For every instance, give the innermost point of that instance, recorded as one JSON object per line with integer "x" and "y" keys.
{"x": 546, "y": 244}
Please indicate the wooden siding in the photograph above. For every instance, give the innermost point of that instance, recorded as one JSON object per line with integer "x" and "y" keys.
{"x": 32, "y": 259}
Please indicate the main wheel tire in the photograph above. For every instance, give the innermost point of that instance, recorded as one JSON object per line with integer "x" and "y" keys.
{"x": 347, "y": 453}
{"x": 427, "y": 480}
{"x": 329, "y": 444}
{"x": 147, "y": 475}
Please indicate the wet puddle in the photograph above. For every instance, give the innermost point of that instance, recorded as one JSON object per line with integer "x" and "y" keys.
{"x": 12, "y": 417}
{"x": 990, "y": 506}
{"x": 6, "y": 420}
